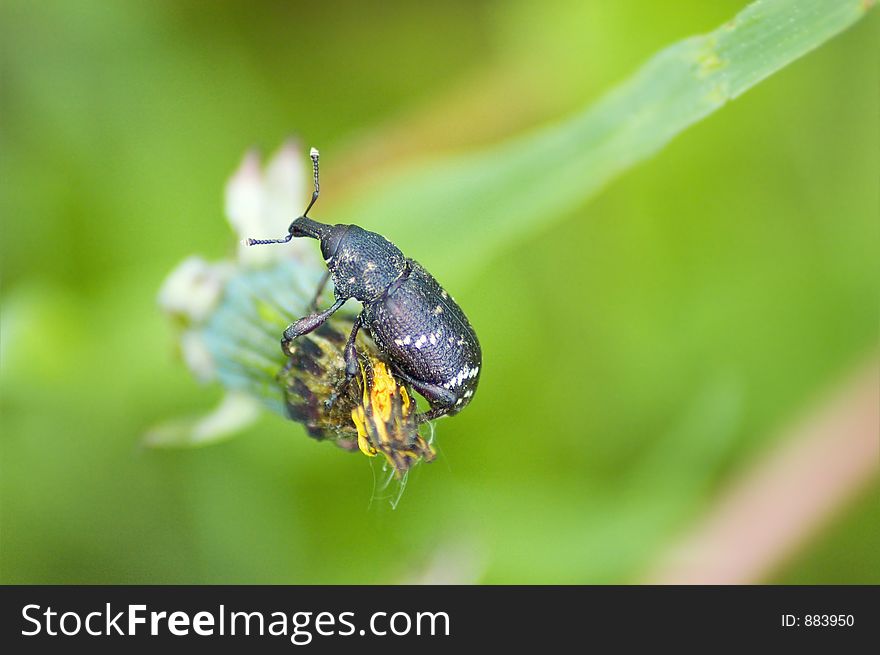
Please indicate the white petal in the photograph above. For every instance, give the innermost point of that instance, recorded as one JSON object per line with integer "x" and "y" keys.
{"x": 286, "y": 193}
{"x": 236, "y": 412}
{"x": 244, "y": 197}
{"x": 196, "y": 355}
{"x": 193, "y": 289}
{"x": 261, "y": 204}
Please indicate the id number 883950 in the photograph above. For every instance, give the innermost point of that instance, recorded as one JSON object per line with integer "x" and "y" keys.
{"x": 818, "y": 620}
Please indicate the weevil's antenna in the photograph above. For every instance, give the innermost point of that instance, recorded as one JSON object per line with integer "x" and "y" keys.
{"x": 260, "y": 242}
{"x": 314, "y": 154}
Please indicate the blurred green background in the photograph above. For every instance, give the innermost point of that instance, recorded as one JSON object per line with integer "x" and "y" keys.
{"x": 638, "y": 355}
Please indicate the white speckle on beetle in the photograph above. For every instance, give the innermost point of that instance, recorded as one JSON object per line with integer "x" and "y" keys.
{"x": 443, "y": 294}
{"x": 421, "y": 341}
{"x": 468, "y": 393}
{"x": 438, "y": 310}
{"x": 351, "y": 280}
{"x": 433, "y": 340}
{"x": 406, "y": 340}
{"x": 399, "y": 342}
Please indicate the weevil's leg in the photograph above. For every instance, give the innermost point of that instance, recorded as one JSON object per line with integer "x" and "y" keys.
{"x": 443, "y": 401}
{"x": 308, "y": 323}
{"x": 351, "y": 362}
{"x": 313, "y": 306}
{"x": 351, "y": 359}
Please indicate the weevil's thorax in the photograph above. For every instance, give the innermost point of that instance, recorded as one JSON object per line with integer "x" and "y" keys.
{"x": 362, "y": 264}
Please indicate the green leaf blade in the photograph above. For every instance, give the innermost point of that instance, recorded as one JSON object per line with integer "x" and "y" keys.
{"x": 498, "y": 196}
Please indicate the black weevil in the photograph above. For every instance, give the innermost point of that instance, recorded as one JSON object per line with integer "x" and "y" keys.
{"x": 414, "y": 322}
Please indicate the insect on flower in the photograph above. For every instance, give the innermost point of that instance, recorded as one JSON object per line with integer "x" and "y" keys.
{"x": 375, "y": 413}
{"x": 416, "y": 325}
{"x": 229, "y": 313}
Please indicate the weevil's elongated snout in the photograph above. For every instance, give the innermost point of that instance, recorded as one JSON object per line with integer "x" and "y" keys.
{"x": 306, "y": 227}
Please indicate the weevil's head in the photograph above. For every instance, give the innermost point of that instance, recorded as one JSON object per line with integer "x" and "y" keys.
{"x": 300, "y": 227}
{"x": 332, "y": 237}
